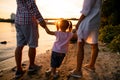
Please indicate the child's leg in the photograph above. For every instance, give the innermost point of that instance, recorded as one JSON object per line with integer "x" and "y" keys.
{"x": 53, "y": 62}
{"x": 56, "y": 60}
{"x": 53, "y": 70}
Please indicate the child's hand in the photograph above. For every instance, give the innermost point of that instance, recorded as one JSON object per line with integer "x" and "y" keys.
{"x": 70, "y": 26}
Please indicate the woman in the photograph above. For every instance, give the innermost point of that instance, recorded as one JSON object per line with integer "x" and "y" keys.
{"x": 87, "y": 31}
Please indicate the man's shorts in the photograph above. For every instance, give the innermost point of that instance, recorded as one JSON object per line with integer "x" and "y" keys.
{"x": 56, "y": 59}
{"x": 27, "y": 35}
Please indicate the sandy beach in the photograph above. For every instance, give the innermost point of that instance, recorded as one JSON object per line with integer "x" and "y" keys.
{"x": 107, "y": 66}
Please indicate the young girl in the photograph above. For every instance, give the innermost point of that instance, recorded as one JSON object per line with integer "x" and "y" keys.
{"x": 60, "y": 46}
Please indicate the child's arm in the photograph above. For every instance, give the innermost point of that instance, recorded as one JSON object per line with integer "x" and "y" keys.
{"x": 49, "y": 32}
{"x": 74, "y": 37}
{"x": 70, "y": 26}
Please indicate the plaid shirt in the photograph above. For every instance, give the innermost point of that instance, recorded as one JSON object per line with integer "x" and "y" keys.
{"x": 27, "y": 12}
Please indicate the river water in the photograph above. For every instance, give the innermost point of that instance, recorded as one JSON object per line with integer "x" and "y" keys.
{"x": 8, "y": 33}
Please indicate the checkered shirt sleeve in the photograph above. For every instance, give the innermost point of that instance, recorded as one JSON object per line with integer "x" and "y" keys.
{"x": 27, "y": 10}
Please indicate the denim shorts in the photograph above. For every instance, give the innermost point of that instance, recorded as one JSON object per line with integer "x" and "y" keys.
{"x": 27, "y": 35}
{"x": 56, "y": 59}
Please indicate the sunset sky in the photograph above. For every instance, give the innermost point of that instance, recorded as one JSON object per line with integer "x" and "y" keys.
{"x": 48, "y": 8}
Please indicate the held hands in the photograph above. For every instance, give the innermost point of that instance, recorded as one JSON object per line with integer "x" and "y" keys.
{"x": 43, "y": 24}
{"x": 77, "y": 25}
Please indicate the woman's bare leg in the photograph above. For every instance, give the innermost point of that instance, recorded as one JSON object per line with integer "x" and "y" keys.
{"x": 80, "y": 57}
{"x": 94, "y": 54}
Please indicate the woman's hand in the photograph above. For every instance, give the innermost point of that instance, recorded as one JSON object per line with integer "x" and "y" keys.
{"x": 79, "y": 21}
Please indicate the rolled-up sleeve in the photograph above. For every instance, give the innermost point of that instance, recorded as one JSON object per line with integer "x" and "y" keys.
{"x": 87, "y": 6}
{"x": 33, "y": 9}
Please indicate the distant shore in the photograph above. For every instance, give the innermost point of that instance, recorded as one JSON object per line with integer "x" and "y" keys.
{"x": 47, "y": 20}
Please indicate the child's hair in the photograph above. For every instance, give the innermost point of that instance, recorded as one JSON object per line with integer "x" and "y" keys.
{"x": 63, "y": 24}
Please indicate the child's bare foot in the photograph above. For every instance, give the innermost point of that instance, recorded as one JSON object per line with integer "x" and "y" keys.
{"x": 48, "y": 73}
{"x": 55, "y": 76}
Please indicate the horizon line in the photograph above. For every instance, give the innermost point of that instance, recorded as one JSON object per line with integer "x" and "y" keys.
{"x": 50, "y": 18}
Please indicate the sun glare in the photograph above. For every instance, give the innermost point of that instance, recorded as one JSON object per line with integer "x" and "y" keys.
{"x": 58, "y": 8}
{"x": 48, "y": 8}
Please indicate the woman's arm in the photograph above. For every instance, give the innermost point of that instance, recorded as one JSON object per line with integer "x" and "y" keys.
{"x": 49, "y": 32}
{"x": 87, "y": 6}
{"x": 79, "y": 21}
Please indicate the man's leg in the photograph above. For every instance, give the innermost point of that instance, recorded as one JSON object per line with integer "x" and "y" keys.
{"x": 53, "y": 71}
{"x": 33, "y": 68}
{"x": 18, "y": 57}
{"x": 32, "y": 54}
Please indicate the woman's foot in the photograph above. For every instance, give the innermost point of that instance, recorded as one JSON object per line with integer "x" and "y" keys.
{"x": 89, "y": 68}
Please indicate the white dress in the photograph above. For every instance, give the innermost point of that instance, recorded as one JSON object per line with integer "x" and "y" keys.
{"x": 88, "y": 28}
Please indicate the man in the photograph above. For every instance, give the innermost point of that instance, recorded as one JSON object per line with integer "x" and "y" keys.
{"x": 27, "y": 32}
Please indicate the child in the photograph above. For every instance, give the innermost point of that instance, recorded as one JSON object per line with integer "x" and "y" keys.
{"x": 60, "y": 46}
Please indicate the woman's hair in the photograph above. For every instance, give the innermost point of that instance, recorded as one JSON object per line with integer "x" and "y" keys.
{"x": 63, "y": 24}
